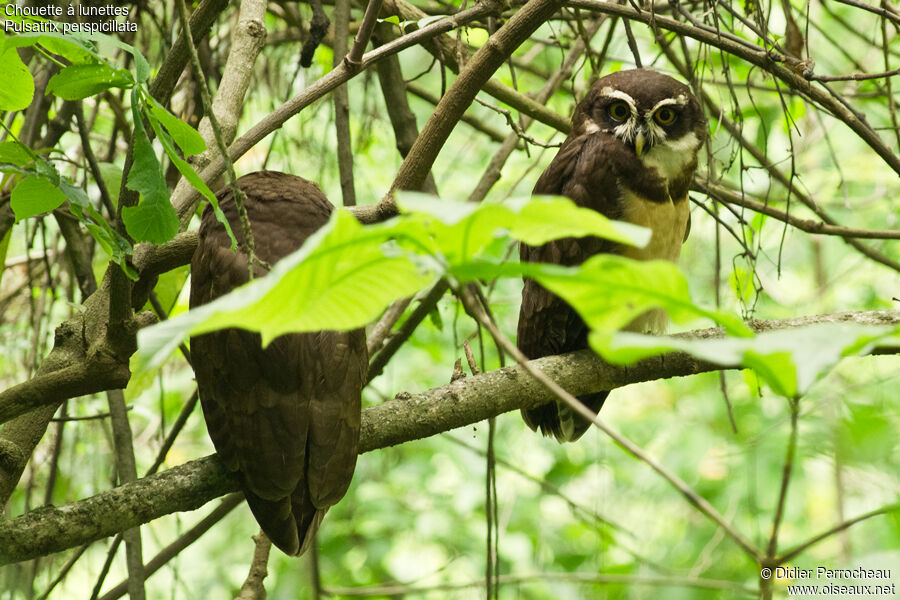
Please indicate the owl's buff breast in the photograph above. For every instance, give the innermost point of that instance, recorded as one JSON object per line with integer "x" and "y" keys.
{"x": 668, "y": 222}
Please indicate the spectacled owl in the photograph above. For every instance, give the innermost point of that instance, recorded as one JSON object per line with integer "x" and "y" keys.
{"x": 631, "y": 155}
{"x": 285, "y": 418}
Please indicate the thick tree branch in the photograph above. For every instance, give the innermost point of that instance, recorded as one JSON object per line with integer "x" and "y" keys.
{"x": 186, "y": 202}
{"x": 470, "y": 400}
{"x": 87, "y": 336}
{"x": 341, "y": 99}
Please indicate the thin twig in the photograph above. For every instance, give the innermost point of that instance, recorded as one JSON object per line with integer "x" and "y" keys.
{"x": 855, "y": 76}
{"x": 698, "y": 501}
{"x": 227, "y": 504}
{"x": 723, "y": 194}
{"x": 785, "y": 479}
{"x": 792, "y": 553}
{"x": 230, "y": 177}
{"x": 253, "y": 588}
{"x": 883, "y": 12}
{"x": 393, "y": 343}
{"x": 382, "y": 328}
{"x": 516, "y": 127}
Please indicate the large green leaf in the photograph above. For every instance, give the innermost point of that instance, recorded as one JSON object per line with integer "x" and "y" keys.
{"x": 790, "y": 360}
{"x": 184, "y": 135}
{"x": 463, "y": 231}
{"x": 79, "y": 47}
{"x": 609, "y": 291}
{"x": 153, "y": 219}
{"x": 349, "y": 273}
{"x": 80, "y": 81}
{"x": 16, "y": 83}
{"x": 182, "y": 165}
{"x": 341, "y": 278}
{"x": 35, "y": 196}
{"x": 14, "y": 153}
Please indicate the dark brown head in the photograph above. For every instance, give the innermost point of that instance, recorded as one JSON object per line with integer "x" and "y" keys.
{"x": 654, "y": 115}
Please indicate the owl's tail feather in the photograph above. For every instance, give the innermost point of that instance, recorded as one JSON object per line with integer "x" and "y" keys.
{"x": 557, "y": 419}
{"x": 291, "y": 523}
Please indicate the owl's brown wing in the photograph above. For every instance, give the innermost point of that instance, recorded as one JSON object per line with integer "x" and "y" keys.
{"x": 286, "y": 417}
{"x": 585, "y": 169}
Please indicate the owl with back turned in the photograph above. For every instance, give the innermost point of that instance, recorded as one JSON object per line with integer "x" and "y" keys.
{"x": 630, "y": 156}
{"x": 284, "y": 418}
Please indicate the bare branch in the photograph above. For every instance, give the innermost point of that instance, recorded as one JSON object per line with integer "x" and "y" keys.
{"x": 731, "y": 197}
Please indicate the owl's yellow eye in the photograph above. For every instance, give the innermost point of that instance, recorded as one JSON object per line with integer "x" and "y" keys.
{"x": 618, "y": 111}
{"x": 665, "y": 116}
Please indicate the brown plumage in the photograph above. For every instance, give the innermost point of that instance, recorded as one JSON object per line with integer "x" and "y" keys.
{"x": 286, "y": 418}
{"x": 626, "y": 160}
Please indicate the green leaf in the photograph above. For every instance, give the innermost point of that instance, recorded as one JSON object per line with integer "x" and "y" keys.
{"x": 153, "y": 219}
{"x": 112, "y": 242}
{"x": 789, "y": 360}
{"x": 742, "y": 283}
{"x": 868, "y": 434}
{"x": 184, "y": 135}
{"x": 14, "y": 153}
{"x": 141, "y": 66}
{"x": 609, "y": 291}
{"x": 16, "y": 83}
{"x": 463, "y": 230}
{"x": 70, "y": 49}
{"x": 193, "y": 178}
{"x": 35, "y": 196}
{"x": 81, "y": 43}
{"x": 80, "y": 81}
{"x": 75, "y": 194}
{"x": 350, "y": 273}
{"x": 347, "y": 277}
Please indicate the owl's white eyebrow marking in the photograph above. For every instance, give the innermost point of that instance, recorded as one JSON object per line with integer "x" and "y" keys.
{"x": 609, "y": 92}
{"x": 680, "y": 100}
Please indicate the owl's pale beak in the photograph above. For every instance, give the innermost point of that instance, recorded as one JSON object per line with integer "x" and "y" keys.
{"x": 639, "y": 141}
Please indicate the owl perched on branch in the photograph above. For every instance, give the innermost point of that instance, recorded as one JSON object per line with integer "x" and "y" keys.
{"x": 286, "y": 417}
{"x": 631, "y": 156}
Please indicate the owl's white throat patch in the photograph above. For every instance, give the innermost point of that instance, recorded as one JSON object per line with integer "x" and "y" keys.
{"x": 671, "y": 157}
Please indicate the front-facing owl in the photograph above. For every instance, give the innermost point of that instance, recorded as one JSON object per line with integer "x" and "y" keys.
{"x": 631, "y": 156}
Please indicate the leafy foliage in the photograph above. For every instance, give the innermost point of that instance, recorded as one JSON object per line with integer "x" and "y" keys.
{"x": 574, "y": 521}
